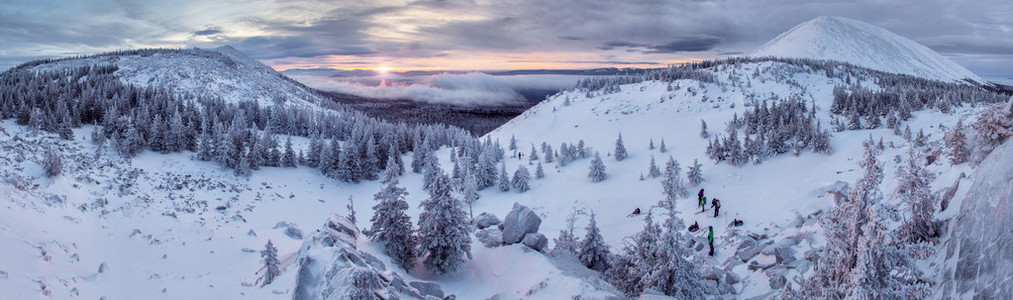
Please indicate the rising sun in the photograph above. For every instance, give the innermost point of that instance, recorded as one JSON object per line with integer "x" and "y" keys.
{"x": 384, "y": 69}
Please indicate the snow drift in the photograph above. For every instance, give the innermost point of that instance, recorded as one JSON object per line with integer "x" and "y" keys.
{"x": 863, "y": 44}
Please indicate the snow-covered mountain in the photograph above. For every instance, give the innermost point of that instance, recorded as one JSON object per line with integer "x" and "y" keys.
{"x": 863, "y": 44}
{"x": 222, "y": 72}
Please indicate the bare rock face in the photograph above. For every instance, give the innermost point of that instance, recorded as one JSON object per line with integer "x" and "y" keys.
{"x": 982, "y": 239}
{"x": 520, "y": 221}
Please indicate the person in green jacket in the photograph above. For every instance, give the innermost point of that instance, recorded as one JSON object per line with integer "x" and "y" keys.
{"x": 710, "y": 238}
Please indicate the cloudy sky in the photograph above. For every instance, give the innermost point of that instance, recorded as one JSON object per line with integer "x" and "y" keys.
{"x": 485, "y": 35}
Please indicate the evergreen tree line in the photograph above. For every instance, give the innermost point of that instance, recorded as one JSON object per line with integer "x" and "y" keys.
{"x": 897, "y": 97}
{"x": 240, "y": 136}
{"x": 769, "y": 130}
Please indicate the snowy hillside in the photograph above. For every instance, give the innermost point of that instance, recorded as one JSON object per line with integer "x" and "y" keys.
{"x": 862, "y": 44}
{"x": 779, "y": 200}
{"x": 222, "y": 72}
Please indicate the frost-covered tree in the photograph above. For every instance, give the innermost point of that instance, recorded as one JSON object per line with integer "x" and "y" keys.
{"x": 419, "y": 153}
{"x": 444, "y": 240}
{"x": 858, "y": 251}
{"x": 914, "y": 190}
{"x": 992, "y": 128}
{"x": 620, "y": 152}
{"x": 504, "y": 178}
{"x": 663, "y": 148}
{"x": 653, "y": 169}
{"x": 271, "y": 264}
{"x": 672, "y": 183}
{"x": 430, "y": 170}
{"x": 548, "y": 154}
{"x": 470, "y": 191}
{"x": 593, "y": 251}
{"x": 521, "y": 179}
{"x": 349, "y": 168}
{"x": 956, "y": 140}
{"x": 582, "y": 150}
{"x": 390, "y": 222}
{"x": 567, "y": 240}
{"x": 539, "y": 171}
{"x": 289, "y": 159}
{"x": 351, "y": 211}
{"x": 703, "y": 130}
{"x": 654, "y": 259}
{"x": 695, "y": 174}
{"x": 534, "y": 153}
{"x": 53, "y": 164}
{"x": 243, "y": 167}
{"x": 513, "y": 143}
{"x": 650, "y": 146}
{"x": 596, "y": 172}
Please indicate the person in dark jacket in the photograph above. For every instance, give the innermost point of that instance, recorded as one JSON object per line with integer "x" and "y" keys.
{"x": 717, "y": 206}
{"x": 694, "y": 227}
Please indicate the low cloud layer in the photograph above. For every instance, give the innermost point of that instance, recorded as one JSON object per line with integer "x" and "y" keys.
{"x": 471, "y": 89}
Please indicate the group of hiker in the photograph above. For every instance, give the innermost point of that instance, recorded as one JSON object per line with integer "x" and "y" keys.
{"x": 702, "y": 204}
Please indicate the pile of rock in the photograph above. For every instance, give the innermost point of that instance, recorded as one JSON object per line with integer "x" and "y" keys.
{"x": 520, "y": 226}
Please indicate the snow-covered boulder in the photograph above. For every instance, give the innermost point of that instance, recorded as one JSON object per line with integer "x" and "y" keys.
{"x": 330, "y": 267}
{"x": 484, "y": 220}
{"x": 778, "y": 281}
{"x": 294, "y": 232}
{"x": 520, "y": 221}
{"x": 536, "y": 241}
{"x": 428, "y": 288}
{"x": 982, "y": 241}
{"x": 490, "y": 237}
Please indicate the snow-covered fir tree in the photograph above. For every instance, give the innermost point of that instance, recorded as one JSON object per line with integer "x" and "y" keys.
{"x": 662, "y": 148}
{"x": 430, "y": 170}
{"x": 703, "y": 130}
{"x": 521, "y": 179}
{"x": 593, "y": 252}
{"x": 270, "y": 270}
{"x": 444, "y": 232}
{"x": 513, "y": 143}
{"x": 956, "y": 140}
{"x": 672, "y": 183}
{"x": 539, "y": 171}
{"x": 534, "y": 153}
{"x": 914, "y": 190}
{"x": 289, "y": 159}
{"x": 52, "y": 163}
{"x": 695, "y": 174}
{"x": 596, "y": 171}
{"x": 390, "y": 222}
{"x": 620, "y": 152}
{"x": 504, "y": 178}
{"x": 567, "y": 240}
{"x": 469, "y": 191}
{"x": 653, "y": 169}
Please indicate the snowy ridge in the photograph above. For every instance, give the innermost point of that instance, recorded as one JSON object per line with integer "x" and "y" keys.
{"x": 863, "y": 44}
{"x": 223, "y": 73}
{"x": 779, "y": 199}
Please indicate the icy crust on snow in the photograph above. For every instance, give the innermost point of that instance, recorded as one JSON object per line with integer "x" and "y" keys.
{"x": 863, "y": 44}
{"x": 222, "y": 73}
{"x": 984, "y": 246}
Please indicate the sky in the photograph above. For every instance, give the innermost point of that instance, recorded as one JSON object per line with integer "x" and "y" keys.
{"x": 486, "y": 34}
